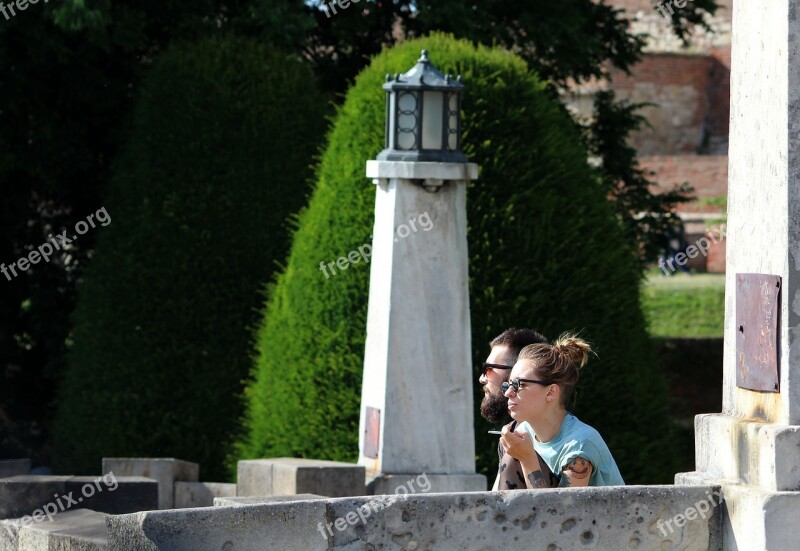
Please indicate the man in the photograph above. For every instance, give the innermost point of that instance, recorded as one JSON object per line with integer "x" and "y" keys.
{"x": 494, "y": 407}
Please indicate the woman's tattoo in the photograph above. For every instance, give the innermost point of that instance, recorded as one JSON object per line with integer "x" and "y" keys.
{"x": 578, "y": 469}
{"x": 538, "y": 480}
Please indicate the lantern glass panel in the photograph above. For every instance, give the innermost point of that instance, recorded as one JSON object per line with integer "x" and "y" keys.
{"x": 392, "y": 121}
{"x": 452, "y": 123}
{"x": 407, "y": 120}
{"x": 432, "y": 119}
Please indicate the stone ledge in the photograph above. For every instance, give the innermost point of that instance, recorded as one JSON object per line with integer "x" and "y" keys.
{"x": 165, "y": 470}
{"x": 624, "y": 517}
{"x": 14, "y": 467}
{"x": 23, "y": 495}
{"x": 201, "y": 494}
{"x": 752, "y": 517}
{"x": 255, "y": 500}
{"x": 761, "y": 454}
{"x": 80, "y": 530}
{"x": 421, "y": 170}
{"x": 288, "y": 476}
{"x": 436, "y": 483}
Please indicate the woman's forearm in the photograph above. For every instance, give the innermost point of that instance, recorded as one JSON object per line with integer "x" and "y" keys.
{"x": 534, "y": 477}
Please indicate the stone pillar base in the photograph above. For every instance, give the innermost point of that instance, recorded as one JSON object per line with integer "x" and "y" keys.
{"x": 762, "y": 454}
{"x": 385, "y": 484}
{"x": 752, "y": 518}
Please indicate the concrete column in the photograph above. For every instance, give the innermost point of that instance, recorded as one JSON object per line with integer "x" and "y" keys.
{"x": 752, "y": 449}
{"x": 416, "y": 405}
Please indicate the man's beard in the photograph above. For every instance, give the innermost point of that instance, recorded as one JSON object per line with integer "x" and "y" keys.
{"x": 494, "y": 408}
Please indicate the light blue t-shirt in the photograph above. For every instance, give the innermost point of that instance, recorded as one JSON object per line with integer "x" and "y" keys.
{"x": 577, "y": 439}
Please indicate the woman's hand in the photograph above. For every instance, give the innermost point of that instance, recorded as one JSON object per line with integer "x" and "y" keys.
{"x": 518, "y": 445}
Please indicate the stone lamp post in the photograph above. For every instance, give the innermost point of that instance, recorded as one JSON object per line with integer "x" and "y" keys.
{"x": 417, "y": 403}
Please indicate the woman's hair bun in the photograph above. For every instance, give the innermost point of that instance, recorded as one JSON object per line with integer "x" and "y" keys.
{"x": 574, "y": 347}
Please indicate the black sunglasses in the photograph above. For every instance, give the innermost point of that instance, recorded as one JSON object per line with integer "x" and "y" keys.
{"x": 487, "y": 367}
{"x": 514, "y": 384}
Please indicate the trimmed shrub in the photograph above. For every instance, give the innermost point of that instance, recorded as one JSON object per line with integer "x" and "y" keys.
{"x": 546, "y": 251}
{"x": 222, "y": 139}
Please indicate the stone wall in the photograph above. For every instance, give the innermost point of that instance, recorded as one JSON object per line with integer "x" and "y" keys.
{"x": 611, "y": 518}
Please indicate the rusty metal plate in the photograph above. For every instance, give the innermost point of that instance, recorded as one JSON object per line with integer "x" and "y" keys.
{"x": 757, "y": 327}
{"x": 372, "y": 432}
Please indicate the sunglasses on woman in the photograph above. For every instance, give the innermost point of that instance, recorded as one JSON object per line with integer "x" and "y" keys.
{"x": 514, "y": 384}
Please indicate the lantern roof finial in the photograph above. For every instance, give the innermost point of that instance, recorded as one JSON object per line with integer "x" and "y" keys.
{"x": 423, "y": 75}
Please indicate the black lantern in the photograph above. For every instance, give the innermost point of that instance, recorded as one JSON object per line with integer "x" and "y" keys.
{"x": 423, "y": 116}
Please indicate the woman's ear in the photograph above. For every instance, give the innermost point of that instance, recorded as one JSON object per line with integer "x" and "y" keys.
{"x": 553, "y": 392}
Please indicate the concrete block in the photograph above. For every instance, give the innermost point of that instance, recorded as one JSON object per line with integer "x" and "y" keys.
{"x": 9, "y": 534}
{"x": 113, "y": 495}
{"x": 166, "y": 471}
{"x": 201, "y": 494}
{"x": 254, "y": 500}
{"x": 286, "y": 476}
{"x": 427, "y": 483}
{"x": 79, "y": 530}
{"x": 25, "y": 495}
{"x": 21, "y": 495}
{"x": 422, "y": 170}
{"x": 752, "y": 517}
{"x": 286, "y": 526}
{"x": 762, "y": 454}
{"x": 14, "y": 467}
{"x": 609, "y": 518}
{"x": 254, "y": 477}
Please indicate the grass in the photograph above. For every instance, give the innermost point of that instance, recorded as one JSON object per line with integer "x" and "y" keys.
{"x": 684, "y": 305}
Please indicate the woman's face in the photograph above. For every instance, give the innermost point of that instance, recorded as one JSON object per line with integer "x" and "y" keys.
{"x": 531, "y": 401}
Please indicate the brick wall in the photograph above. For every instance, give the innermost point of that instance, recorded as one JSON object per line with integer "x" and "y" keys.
{"x": 678, "y": 85}
{"x": 708, "y": 174}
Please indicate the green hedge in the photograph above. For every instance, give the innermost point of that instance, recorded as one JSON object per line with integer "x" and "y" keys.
{"x": 218, "y": 158}
{"x": 545, "y": 251}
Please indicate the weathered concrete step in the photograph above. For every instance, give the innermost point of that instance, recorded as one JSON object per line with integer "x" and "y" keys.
{"x": 201, "y": 494}
{"x": 79, "y": 530}
{"x": 624, "y": 517}
{"x": 254, "y": 500}
{"x": 289, "y": 475}
{"x": 47, "y": 496}
{"x": 14, "y": 467}
{"x": 166, "y": 470}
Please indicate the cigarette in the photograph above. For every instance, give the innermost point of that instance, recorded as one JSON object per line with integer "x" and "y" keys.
{"x": 495, "y": 432}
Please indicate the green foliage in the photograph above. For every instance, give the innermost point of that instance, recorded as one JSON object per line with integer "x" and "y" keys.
{"x": 683, "y": 305}
{"x": 218, "y": 158}
{"x": 546, "y": 251}
{"x": 72, "y": 71}
{"x": 75, "y": 67}
{"x": 568, "y": 39}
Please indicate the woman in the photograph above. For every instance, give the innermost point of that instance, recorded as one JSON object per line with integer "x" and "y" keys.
{"x": 540, "y": 386}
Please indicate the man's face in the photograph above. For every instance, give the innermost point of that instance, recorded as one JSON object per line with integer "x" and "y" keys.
{"x": 494, "y": 406}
